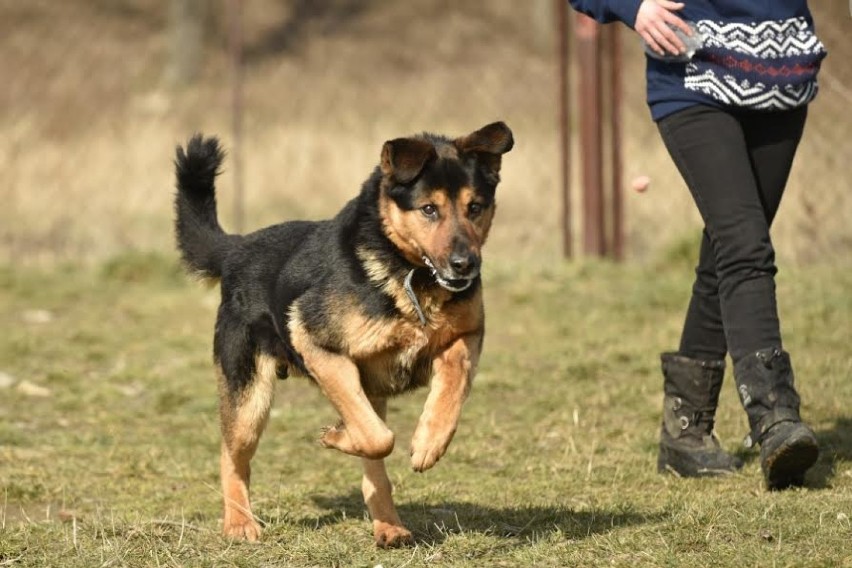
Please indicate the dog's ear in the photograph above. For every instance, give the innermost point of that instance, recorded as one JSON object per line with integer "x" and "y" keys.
{"x": 403, "y": 158}
{"x": 488, "y": 144}
{"x": 495, "y": 138}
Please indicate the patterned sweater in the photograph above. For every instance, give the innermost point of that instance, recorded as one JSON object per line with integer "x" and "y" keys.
{"x": 757, "y": 54}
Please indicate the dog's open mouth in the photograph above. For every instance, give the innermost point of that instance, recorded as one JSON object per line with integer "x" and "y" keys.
{"x": 453, "y": 285}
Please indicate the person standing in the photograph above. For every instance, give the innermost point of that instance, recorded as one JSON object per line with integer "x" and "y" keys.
{"x": 728, "y": 85}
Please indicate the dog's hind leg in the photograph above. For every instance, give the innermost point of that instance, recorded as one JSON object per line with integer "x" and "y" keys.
{"x": 244, "y": 410}
{"x": 454, "y": 369}
{"x": 387, "y": 526}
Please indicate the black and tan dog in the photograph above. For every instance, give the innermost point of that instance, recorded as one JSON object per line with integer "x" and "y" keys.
{"x": 383, "y": 298}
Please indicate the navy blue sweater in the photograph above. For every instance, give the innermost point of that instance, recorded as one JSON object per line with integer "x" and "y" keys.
{"x": 757, "y": 54}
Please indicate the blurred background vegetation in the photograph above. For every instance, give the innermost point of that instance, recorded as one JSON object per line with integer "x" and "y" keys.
{"x": 97, "y": 93}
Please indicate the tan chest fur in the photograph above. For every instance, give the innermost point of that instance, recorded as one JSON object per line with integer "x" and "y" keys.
{"x": 396, "y": 354}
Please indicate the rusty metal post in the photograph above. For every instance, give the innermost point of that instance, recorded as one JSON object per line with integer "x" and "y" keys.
{"x": 564, "y": 94}
{"x": 615, "y": 100}
{"x": 591, "y": 135}
{"x": 235, "y": 44}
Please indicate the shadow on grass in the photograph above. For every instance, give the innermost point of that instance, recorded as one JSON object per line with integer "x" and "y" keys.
{"x": 432, "y": 523}
{"x": 835, "y": 445}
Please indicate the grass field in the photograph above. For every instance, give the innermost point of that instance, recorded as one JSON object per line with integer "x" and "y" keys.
{"x": 109, "y": 435}
{"x": 108, "y": 423}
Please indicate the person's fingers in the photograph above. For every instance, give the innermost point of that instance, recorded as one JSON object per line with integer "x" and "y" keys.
{"x": 650, "y": 35}
{"x": 652, "y": 23}
{"x": 652, "y": 43}
{"x": 668, "y": 39}
{"x": 647, "y": 16}
{"x": 674, "y": 20}
{"x": 660, "y": 42}
{"x": 670, "y": 5}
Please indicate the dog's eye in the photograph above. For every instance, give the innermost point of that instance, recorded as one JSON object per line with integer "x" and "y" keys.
{"x": 474, "y": 209}
{"x": 429, "y": 211}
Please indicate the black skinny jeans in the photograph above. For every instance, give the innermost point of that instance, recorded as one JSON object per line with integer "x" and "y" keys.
{"x": 736, "y": 166}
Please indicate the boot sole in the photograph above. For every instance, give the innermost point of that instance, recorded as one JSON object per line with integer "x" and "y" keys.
{"x": 670, "y": 462}
{"x": 787, "y": 466}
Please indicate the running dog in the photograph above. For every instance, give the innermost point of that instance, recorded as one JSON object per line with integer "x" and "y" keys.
{"x": 383, "y": 298}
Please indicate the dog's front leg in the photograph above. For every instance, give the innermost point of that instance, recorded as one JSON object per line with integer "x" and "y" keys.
{"x": 362, "y": 433}
{"x": 388, "y": 529}
{"x": 454, "y": 369}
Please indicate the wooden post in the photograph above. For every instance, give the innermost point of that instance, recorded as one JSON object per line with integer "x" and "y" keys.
{"x": 591, "y": 135}
{"x": 564, "y": 94}
{"x": 186, "y": 41}
{"x": 235, "y": 42}
{"x": 615, "y": 104}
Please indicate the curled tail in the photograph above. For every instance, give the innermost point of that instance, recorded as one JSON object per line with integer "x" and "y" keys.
{"x": 201, "y": 241}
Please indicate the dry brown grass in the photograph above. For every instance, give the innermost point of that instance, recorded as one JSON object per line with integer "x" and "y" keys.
{"x": 109, "y": 440}
{"x": 89, "y": 128}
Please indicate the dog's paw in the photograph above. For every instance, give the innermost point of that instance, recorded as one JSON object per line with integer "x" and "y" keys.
{"x": 374, "y": 446}
{"x": 426, "y": 453}
{"x": 429, "y": 444}
{"x": 425, "y": 458}
{"x": 243, "y": 529}
{"x": 336, "y": 437}
{"x": 391, "y": 536}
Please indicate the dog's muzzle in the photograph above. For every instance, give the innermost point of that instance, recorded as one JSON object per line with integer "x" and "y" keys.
{"x": 451, "y": 284}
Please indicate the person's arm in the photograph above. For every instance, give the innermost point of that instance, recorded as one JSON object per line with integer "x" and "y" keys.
{"x": 650, "y": 19}
{"x": 606, "y": 11}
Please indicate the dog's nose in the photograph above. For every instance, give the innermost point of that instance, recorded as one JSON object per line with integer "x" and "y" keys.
{"x": 463, "y": 263}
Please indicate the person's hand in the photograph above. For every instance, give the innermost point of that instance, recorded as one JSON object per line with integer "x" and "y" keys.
{"x": 652, "y": 23}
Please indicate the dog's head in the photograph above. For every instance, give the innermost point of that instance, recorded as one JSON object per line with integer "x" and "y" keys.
{"x": 437, "y": 199}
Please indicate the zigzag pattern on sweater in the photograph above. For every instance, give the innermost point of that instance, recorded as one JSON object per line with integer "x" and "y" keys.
{"x": 769, "y": 65}
{"x": 766, "y": 40}
{"x": 756, "y": 96}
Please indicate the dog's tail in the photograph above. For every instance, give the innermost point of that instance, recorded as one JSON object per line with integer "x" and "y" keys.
{"x": 200, "y": 239}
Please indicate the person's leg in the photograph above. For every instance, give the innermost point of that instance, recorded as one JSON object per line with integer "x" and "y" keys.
{"x": 709, "y": 148}
{"x": 693, "y": 376}
{"x": 688, "y": 446}
{"x": 703, "y": 335}
{"x": 772, "y": 146}
{"x": 765, "y": 378}
{"x": 692, "y": 381}
{"x": 736, "y": 167}
{"x": 772, "y": 140}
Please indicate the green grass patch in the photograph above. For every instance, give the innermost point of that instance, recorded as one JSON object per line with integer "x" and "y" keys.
{"x": 109, "y": 434}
